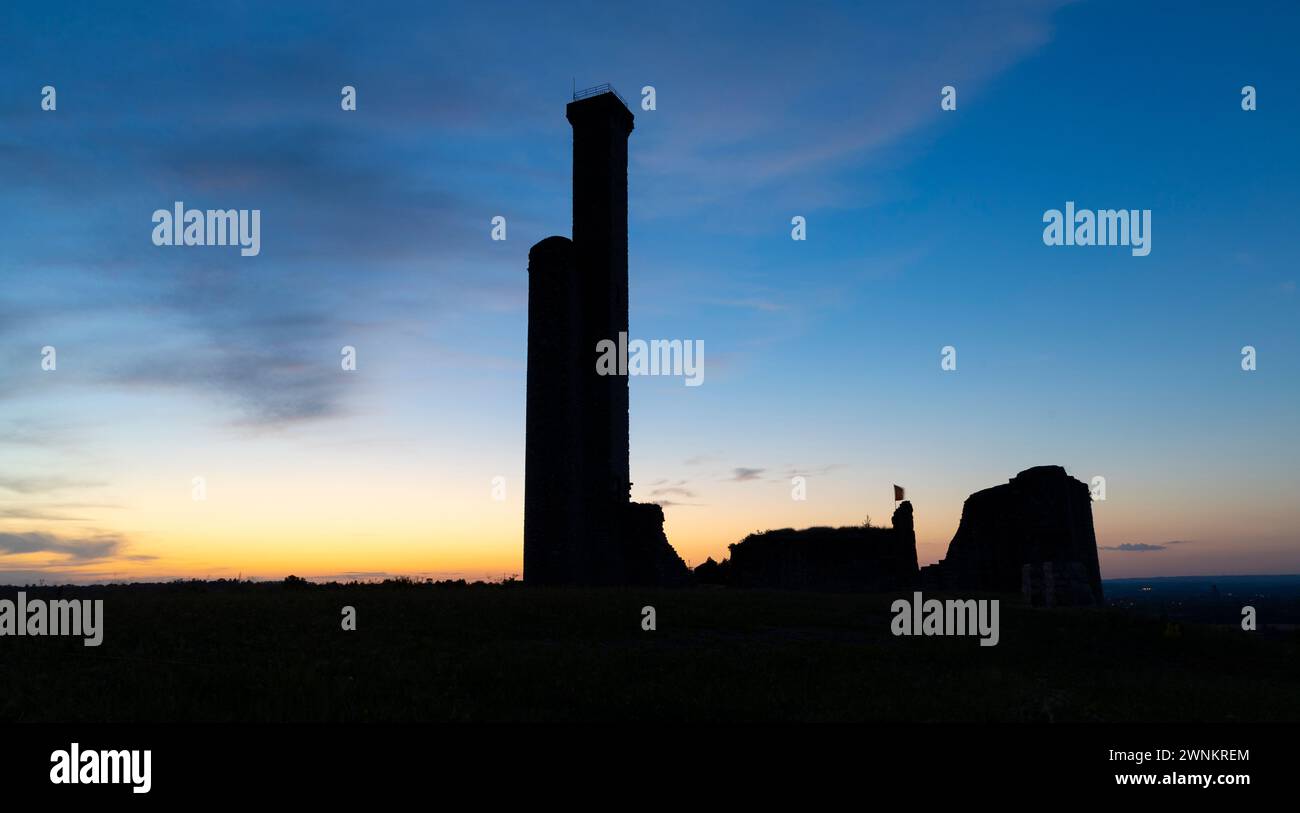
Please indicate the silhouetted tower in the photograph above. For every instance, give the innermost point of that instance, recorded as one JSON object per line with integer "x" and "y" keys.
{"x": 554, "y": 449}
{"x": 576, "y": 460}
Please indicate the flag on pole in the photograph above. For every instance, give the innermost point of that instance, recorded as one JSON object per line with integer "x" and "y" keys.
{"x": 898, "y": 493}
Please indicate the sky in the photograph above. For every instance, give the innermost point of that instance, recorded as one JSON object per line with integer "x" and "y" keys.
{"x": 822, "y": 356}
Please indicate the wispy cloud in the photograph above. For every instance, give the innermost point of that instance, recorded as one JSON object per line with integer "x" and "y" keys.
{"x": 75, "y": 549}
{"x": 39, "y": 485}
{"x": 827, "y": 468}
{"x": 1141, "y": 547}
{"x": 38, "y": 514}
{"x": 677, "y": 490}
{"x": 749, "y": 304}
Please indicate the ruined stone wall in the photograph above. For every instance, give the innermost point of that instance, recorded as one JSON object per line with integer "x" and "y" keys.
{"x": 1056, "y": 584}
{"x": 648, "y": 557}
{"x": 1041, "y": 516}
{"x": 849, "y": 559}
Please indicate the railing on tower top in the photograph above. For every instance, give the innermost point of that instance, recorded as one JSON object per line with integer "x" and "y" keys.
{"x": 596, "y": 91}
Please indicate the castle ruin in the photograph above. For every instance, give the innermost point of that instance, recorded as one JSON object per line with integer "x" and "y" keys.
{"x": 580, "y": 526}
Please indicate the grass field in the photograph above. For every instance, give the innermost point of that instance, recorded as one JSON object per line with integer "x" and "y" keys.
{"x": 267, "y": 652}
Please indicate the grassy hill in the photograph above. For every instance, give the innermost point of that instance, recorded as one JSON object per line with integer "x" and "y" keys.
{"x": 254, "y": 652}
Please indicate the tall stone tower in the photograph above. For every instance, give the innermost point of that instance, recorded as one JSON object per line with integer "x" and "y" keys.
{"x": 555, "y": 448}
{"x": 579, "y": 524}
{"x": 576, "y": 462}
{"x": 601, "y": 126}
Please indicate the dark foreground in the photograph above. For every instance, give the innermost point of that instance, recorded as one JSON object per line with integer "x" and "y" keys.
{"x": 268, "y": 652}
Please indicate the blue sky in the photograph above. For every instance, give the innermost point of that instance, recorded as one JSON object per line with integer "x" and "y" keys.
{"x": 822, "y": 356}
